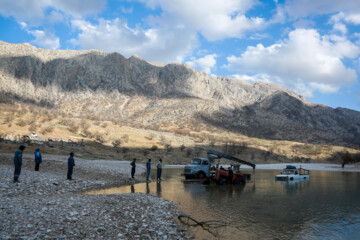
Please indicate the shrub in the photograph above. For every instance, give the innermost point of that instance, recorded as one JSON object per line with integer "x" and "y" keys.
{"x": 154, "y": 148}
{"x": 33, "y": 127}
{"x": 124, "y": 150}
{"x": 73, "y": 128}
{"x": 182, "y": 147}
{"x": 145, "y": 152}
{"x": 125, "y": 138}
{"x": 47, "y": 129}
{"x": 99, "y": 137}
{"x": 168, "y": 147}
{"x": 9, "y": 117}
{"x": 88, "y": 134}
{"x": 116, "y": 143}
{"x": 21, "y": 123}
{"x": 84, "y": 125}
{"x": 189, "y": 152}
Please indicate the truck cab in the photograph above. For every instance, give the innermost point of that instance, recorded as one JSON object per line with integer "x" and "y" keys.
{"x": 199, "y": 168}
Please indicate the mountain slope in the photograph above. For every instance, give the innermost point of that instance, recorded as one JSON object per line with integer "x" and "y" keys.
{"x": 111, "y": 87}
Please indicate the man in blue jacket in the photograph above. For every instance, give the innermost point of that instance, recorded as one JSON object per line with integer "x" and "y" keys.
{"x": 38, "y": 159}
{"x": 133, "y": 167}
{"x": 148, "y": 169}
{"x": 18, "y": 163}
{"x": 71, "y": 164}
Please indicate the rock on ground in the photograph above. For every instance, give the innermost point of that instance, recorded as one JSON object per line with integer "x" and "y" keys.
{"x": 44, "y": 205}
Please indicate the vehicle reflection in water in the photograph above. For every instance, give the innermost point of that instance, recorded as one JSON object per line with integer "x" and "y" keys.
{"x": 324, "y": 207}
{"x": 295, "y": 185}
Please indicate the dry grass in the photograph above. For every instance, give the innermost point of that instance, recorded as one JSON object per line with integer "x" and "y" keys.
{"x": 106, "y": 139}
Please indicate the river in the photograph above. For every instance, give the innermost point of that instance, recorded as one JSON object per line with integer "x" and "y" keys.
{"x": 325, "y": 207}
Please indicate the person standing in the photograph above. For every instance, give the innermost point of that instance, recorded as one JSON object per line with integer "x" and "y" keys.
{"x": 133, "y": 167}
{"x": 159, "y": 170}
{"x": 18, "y": 163}
{"x": 71, "y": 164}
{"x": 148, "y": 169}
{"x": 230, "y": 175}
{"x": 38, "y": 159}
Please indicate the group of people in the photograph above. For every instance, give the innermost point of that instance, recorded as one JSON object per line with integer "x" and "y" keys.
{"x": 38, "y": 161}
{"x": 71, "y": 164}
{"x": 148, "y": 169}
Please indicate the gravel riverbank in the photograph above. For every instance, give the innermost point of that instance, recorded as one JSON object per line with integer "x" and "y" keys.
{"x": 44, "y": 205}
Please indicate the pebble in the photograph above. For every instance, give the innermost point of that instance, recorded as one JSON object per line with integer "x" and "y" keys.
{"x": 44, "y": 210}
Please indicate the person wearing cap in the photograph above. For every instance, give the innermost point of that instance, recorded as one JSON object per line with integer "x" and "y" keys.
{"x": 18, "y": 163}
{"x": 38, "y": 159}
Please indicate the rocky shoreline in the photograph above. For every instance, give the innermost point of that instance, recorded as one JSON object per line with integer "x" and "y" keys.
{"x": 44, "y": 205}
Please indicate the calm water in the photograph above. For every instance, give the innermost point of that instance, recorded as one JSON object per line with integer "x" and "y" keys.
{"x": 325, "y": 207}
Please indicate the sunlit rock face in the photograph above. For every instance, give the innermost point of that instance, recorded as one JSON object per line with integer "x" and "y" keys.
{"x": 133, "y": 90}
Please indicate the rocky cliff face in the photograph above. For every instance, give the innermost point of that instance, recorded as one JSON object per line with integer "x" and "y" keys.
{"x": 111, "y": 86}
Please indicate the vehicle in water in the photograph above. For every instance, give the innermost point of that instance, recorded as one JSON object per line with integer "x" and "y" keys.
{"x": 292, "y": 173}
{"x": 201, "y": 168}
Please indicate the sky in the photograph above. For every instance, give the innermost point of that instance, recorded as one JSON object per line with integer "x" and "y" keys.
{"x": 309, "y": 46}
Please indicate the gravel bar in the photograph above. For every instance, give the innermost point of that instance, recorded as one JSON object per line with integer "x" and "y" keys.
{"x": 44, "y": 205}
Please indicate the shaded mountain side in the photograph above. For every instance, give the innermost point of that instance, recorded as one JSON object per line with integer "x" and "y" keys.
{"x": 282, "y": 117}
{"x": 110, "y": 87}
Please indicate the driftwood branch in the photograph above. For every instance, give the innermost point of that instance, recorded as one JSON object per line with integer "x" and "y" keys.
{"x": 207, "y": 225}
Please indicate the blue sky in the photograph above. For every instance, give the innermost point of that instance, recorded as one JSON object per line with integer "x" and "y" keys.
{"x": 309, "y": 46}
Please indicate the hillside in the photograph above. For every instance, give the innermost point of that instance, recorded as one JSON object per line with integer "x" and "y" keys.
{"x": 133, "y": 92}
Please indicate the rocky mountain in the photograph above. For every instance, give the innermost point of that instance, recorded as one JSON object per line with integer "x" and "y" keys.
{"x": 111, "y": 87}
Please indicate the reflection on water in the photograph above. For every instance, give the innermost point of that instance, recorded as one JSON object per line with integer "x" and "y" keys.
{"x": 324, "y": 207}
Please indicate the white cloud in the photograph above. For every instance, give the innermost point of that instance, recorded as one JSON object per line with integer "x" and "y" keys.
{"x": 205, "y": 63}
{"x": 304, "y": 62}
{"x": 45, "y": 39}
{"x": 167, "y": 43}
{"x": 304, "y": 8}
{"x": 127, "y": 10}
{"x": 347, "y": 18}
{"x": 34, "y": 12}
{"x": 340, "y": 27}
{"x": 215, "y": 19}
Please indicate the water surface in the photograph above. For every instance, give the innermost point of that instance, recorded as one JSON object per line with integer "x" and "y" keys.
{"x": 325, "y": 207}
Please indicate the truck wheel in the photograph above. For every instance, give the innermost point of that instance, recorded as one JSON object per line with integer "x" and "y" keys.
{"x": 201, "y": 175}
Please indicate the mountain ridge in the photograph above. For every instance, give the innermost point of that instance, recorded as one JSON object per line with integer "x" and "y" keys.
{"x": 134, "y": 90}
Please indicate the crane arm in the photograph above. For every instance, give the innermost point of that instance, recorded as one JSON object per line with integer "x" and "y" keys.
{"x": 218, "y": 155}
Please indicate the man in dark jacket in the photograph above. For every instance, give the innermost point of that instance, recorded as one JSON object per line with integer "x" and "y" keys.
{"x": 230, "y": 175}
{"x": 38, "y": 159}
{"x": 148, "y": 169}
{"x": 18, "y": 163}
{"x": 71, "y": 164}
{"x": 133, "y": 167}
